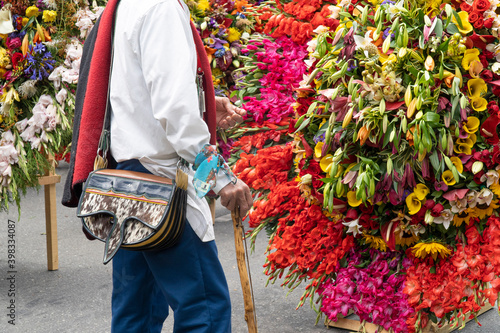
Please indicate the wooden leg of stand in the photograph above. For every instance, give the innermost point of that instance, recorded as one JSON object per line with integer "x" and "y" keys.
{"x": 51, "y": 227}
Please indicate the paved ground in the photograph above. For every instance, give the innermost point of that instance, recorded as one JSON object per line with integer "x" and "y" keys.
{"x": 76, "y": 298}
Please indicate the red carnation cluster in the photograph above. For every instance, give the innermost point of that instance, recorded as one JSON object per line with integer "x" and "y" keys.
{"x": 476, "y": 13}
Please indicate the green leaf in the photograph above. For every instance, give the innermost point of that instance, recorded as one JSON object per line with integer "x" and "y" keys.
{"x": 452, "y": 29}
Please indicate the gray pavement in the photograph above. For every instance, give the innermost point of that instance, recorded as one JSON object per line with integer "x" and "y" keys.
{"x": 76, "y": 298}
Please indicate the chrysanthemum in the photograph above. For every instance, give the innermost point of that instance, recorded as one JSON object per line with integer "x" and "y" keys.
{"x": 422, "y": 250}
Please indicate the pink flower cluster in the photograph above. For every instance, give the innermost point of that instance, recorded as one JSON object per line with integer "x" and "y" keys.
{"x": 372, "y": 287}
{"x": 282, "y": 62}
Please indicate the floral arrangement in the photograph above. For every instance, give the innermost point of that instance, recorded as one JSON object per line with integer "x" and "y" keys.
{"x": 391, "y": 177}
{"x": 39, "y": 63}
{"x": 222, "y": 25}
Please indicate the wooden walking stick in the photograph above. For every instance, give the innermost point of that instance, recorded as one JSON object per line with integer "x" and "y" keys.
{"x": 244, "y": 270}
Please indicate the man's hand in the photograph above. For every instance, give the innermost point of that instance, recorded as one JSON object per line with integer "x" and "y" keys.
{"x": 227, "y": 115}
{"x": 236, "y": 197}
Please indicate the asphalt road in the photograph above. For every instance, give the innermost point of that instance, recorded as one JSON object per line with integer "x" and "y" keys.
{"x": 76, "y": 298}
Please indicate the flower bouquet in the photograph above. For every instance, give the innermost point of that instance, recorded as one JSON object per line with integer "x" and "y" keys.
{"x": 392, "y": 174}
{"x": 39, "y": 63}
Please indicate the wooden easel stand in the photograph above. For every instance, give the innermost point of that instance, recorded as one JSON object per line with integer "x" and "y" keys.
{"x": 49, "y": 182}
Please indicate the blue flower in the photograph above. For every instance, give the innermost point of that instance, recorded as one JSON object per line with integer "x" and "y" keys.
{"x": 40, "y": 62}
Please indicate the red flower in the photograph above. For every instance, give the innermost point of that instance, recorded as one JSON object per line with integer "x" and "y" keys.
{"x": 17, "y": 58}
{"x": 489, "y": 23}
{"x": 481, "y": 5}
{"x": 465, "y": 7}
{"x": 474, "y": 16}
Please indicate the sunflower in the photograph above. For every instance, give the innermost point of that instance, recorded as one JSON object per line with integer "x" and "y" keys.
{"x": 465, "y": 216}
{"x": 422, "y": 250}
{"x": 495, "y": 188}
{"x": 484, "y": 210}
{"x": 375, "y": 242}
{"x": 407, "y": 234}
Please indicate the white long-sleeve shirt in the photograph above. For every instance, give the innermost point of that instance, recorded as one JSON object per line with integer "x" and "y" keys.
{"x": 156, "y": 116}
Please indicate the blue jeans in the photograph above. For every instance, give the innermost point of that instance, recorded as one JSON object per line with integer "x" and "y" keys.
{"x": 188, "y": 277}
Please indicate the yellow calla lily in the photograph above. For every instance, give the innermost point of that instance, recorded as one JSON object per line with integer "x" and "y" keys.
{"x": 457, "y": 163}
{"x": 470, "y": 56}
{"x": 448, "y": 178}
{"x": 352, "y": 200}
{"x": 472, "y": 125}
{"x": 479, "y": 103}
{"x": 461, "y": 148}
{"x": 421, "y": 191}
{"x": 326, "y": 163}
{"x": 477, "y": 87}
{"x": 466, "y": 26}
{"x": 317, "y": 149}
{"x": 413, "y": 204}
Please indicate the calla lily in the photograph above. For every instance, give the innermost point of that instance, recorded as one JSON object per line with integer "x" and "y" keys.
{"x": 472, "y": 125}
{"x": 462, "y": 149}
{"x": 421, "y": 191}
{"x": 413, "y": 204}
{"x": 352, "y": 200}
{"x": 479, "y": 103}
{"x": 317, "y": 149}
{"x": 457, "y": 163}
{"x": 326, "y": 163}
{"x": 448, "y": 178}
{"x": 466, "y": 26}
{"x": 470, "y": 56}
{"x": 476, "y": 67}
{"x": 477, "y": 87}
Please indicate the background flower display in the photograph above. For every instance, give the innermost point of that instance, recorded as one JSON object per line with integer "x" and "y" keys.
{"x": 387, "y": 190}
{"x": 40, "y": 54}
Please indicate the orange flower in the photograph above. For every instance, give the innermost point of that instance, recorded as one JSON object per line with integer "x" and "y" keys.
{"x": 363, "y": 134}
{"x": 377, "y": 42}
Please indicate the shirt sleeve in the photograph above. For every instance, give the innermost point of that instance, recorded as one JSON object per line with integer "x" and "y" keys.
{"x": 168, "y": 58}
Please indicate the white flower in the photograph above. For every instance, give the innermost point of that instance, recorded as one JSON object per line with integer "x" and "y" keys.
{"x": 458, "y": 206}
{"x": 354, "y": 227}
{"x": 495, "y": 49}
{"x": 321, "y": 29}
{"x": 491, "y": 177}
{"x": 61, "y": 96}
{"x": 335, "y": 10}
{"x": 485, "y": 197}
{"x": 311, "y": 45}
{"x": 27, "y": 89}
{"x": 444, "y": 218}
{"x": 471, "y": 197}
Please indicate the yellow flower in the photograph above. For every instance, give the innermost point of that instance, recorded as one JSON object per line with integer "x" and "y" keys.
{"x": 317, "y": 149}
{"x": 448, "y": 178}
{"x": 465, "y": 216}
{"x": 233, "y": 35}
{"x": 352, "y": 200}
{"x": 466, "y": 26}
{"x": 326, "y": 163}
{"x": 477, "y": 87}
{"x": 461, "y": 148}
{"x": 421, "y": 191}
{"x": 32, "y": 11}
{"x": 25, "y": 21}
{"x": 457, "y": 163}
{"x": 470, "y": 56}
{"x": 49, "y": 15}
{"x": 9, "y": 96}
{"x": 479, "y": 103}
{"x": 485, "y": 210}
{"x": 375, "y": 242}
{"x": 422, "y": 250}
{"x": 472, "y": 125}
{"x": 413, "y": 204}
{"x": 203, "y": 5}
{"x": 495, "y": 188}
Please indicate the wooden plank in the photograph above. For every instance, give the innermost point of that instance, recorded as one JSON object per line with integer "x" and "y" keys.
{"x": 47, "y": 180}
{"x": 355, "y": 325}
